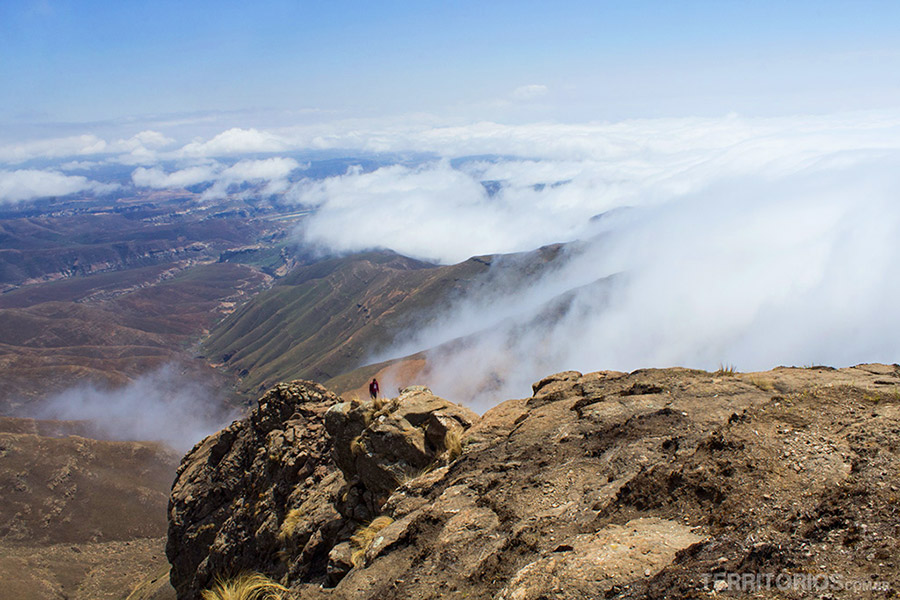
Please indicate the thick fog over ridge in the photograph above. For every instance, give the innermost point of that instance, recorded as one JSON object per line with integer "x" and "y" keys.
{"x": 733, "y": 240}
{"x": 751, "y": 247}
{"x": 163, "y": 405}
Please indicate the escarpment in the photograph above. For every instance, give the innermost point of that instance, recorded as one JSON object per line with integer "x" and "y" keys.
{"x": 657, "y": 483}
{"x": 275, "y": 493}
{"x": 234, "y": 491}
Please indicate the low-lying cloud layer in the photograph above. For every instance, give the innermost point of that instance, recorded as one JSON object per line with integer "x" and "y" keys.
{"x": 450, "y": 211}
{"x": 750, "y": 243}
{"x": 751, "y": 271}
{"x": 28, "y": 184}
{"x": 163, "y": 405}
{"x": 271, "y": 173}
{"x": 745, "y": 241}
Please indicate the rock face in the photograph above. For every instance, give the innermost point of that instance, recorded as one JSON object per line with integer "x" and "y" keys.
{"x": 378, "y": 445}
{"x": 234, "y": 491}
{"x": 274, "y": 493}
{"x": 654, "y": 484}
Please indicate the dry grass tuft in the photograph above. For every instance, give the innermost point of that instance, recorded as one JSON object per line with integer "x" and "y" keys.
{"x": 357, "y": 446}
{"x": 452, "y": 445}
{"x": 362, "y": 540}
{"x": 293, "y": 520}
{"x": 726, "y": 370}
{"x": 246, "y": 586}
{"x": 408, "y": 476}
{"x": 762, "y": 383}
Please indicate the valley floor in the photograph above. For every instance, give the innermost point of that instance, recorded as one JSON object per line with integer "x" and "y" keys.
{"x": 100, "y": 571}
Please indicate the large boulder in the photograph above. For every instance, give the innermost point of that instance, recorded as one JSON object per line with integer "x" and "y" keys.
{"x": 382, "y": 443}
{"x": 653, "y": 484}
{"x": 277, "y": 494}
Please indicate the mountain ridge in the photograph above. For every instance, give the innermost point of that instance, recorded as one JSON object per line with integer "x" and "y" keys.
{"x": 329, "y": 318}
{"x": 653, "y": 484}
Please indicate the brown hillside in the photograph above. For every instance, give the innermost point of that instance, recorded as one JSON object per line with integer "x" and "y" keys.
{"x": 329, "y": 318}
{"x": 79, "y": 518}
{"x": 74, "y": 489}
{"x": 50, "y": 346}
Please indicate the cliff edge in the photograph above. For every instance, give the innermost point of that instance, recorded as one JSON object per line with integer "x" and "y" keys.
{"x": 657, "y": 483}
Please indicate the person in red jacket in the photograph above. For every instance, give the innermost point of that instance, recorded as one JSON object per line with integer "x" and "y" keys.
{"x": 373, "y": 388}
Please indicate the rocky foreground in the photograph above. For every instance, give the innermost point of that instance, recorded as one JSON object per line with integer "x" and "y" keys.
{"x": 659, "y": 483}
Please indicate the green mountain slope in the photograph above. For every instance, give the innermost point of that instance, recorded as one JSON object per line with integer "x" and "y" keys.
{"x": 325, "y": 319}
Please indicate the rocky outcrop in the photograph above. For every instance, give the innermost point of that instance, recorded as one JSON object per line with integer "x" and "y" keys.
{"x": 654, "y": 484}
{"x": 235, "y": 491}
{"x": 380, "y": 444}
{"x": 274, "y": 493}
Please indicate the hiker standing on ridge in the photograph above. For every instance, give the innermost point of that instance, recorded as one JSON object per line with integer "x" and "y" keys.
{"x": 373, "y": 388}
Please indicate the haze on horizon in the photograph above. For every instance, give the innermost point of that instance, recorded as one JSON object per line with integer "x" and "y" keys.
{"x": 755, "y": 146}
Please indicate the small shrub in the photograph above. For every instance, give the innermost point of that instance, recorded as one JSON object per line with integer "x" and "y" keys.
{"x": 362, "y": 540}
{"x": 246, "y": 586}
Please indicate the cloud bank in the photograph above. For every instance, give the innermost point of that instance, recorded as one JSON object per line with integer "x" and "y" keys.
{"x": 272, "y": 172}
{"x": 448, "y": 212}
{"x": 707, "y": 241}
{"x": 28, "y": 184}
{"x": 235, "y": 141}
{"x": 162, "y": 405}
{"x": 752, "y": 243}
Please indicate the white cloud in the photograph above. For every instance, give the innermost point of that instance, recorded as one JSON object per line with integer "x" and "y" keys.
{"x": 79, "y": 145}
{"x": 159, "y": 179}
{"x": 163, "y": 405}
{"x": 258, "y": 170}
{"x": 235, "y": 141}
{"x": 754, "y": 242}
{"x": 28, "y": 184}
{"x": 272, "y": 172}
{"x": 152, "y": 139}
{"x": 143, "y": 148}
{"x": 436, "y": 212}
{"x": 78, "y": 165}
{"x": 530, "y": 92}
{"x": 424, "y": 133}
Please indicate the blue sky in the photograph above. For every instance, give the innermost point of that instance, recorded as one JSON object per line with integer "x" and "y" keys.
{"x": 86, "y": 61}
